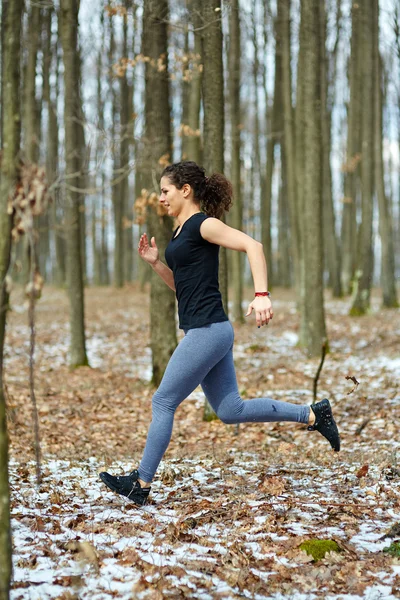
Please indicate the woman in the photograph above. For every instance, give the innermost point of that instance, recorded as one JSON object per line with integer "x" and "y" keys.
{"x": 204, "y": 355}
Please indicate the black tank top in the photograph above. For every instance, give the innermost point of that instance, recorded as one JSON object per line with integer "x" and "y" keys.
{"x": 194, "y": 263}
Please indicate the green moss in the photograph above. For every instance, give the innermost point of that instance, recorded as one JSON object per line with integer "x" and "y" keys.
{"x": 357, "y": 311}
{"x": 253, "y": 348}
{"x": 318, "y": 548}
{"x": 393, "y": 549}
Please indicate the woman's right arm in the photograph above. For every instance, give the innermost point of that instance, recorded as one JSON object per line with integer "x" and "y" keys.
{"x": 165, "y": 273}
{"x": 150, "y": 255}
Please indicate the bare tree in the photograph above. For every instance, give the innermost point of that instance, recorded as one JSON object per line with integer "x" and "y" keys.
{"x": 353, "y": 154}
{"x": 388, "y": 280}
{"x": 10, "y": 93}
{"x": 158, "y": 151}
{"x": 312, "y": 325}
{"x": 213, "y": 104}
{"x": 364, "y": 267}
{"x": 235, "y": 114}
{"x": 73, "y": 145}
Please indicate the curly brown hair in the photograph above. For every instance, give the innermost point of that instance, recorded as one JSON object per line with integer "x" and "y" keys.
{"x": 214, "y": 193}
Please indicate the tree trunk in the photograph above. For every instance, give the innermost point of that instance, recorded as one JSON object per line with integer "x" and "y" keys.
{"x": 388, "y": 279}
{"x": 364, "y": 270}
{"x": 236, "y": 219}
{"x": 185, "y": 97}
{"x": 213, "y": 105}
{"x": 11, "y": 76}
{"x": 313, "y": 331}
{"x": 118, "y": 276}
{"x": 50, "y": 62}
{"x": 284, "y": 264}
{"x": 289, "y": 146}
{"x": 101, "y": 239}
{"x": 259, "y": 200}
{"x": 72, "y": 115}
{"x": 84, "y": 157}
{"x": 331, "y": 245}
{"x": 125, "y": 257}
{"x": 193, "y": 147}
{"x": 31, "y": 141}
{"x": 214, "y": 122}
{"x": 353, "y": 155}
{"x": 158, "y": 145}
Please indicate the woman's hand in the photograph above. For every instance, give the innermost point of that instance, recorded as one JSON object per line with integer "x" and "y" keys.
{"x": 263, "y": 307}
{"x": 148, "y": 253}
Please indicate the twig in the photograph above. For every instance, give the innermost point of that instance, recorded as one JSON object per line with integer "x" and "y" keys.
{"x": 356, "y": 383}
{"x": 31, "y": 357}
{"x": 361, "y": 427}
{"x": 324, "y": 348}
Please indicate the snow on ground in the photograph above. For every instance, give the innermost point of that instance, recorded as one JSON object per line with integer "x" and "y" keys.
{"x": 194, "y": 535}
{"x": 230, "y": 505}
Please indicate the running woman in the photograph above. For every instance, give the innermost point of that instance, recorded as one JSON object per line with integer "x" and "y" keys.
{"x": 204, "y": 355}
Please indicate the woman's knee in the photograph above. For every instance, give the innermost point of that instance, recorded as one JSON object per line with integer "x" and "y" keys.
{"x": 162, "y": 403}
{"x": 229, "y": 413}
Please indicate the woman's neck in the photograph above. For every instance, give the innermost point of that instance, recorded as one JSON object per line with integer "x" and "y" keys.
{"x": 186, "y": 214}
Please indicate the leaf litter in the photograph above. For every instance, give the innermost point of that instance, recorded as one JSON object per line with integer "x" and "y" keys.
{"x": 230, "y": 505}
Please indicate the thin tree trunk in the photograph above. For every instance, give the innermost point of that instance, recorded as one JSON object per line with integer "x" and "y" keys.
{"x": 364, "y": 270}
{"x": 353, "y": 152}
{"x": 193, "y": 147}
{"x": 49, "y": 59}
{"x": 262, "y": 181}
{"x": 289, "y": 141}
{"x": 312, "y": 328}
{"x": 158, "y": 145}
{"x": 388, "y": 280}
{"x": 11, "y": 75}
{"x": 30, "y": 127}
{"x": 331, "y": 245}
{"x": 185, "y": 91}
{"x": 284, "y": 264}
{"x": 30, "y": 113}
{"x": 84, "y": 157}
{"x": 237, "y": 208}
{"x": 102, "y": 243}
{"x": 115, "y": 184}
{"x": 72, "y": 114}
{"x": 125, "y": 249}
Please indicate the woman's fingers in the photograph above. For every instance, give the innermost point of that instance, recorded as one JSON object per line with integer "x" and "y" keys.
{"x": 249, "y": 310}
{"x": 143, "y": 243}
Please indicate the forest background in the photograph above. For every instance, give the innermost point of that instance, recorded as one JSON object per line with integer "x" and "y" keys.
{"x": 297, "y": 102}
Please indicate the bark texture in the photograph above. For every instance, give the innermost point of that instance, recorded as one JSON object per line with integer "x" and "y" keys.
{"x": 236, "y": 215}
{"x": 313, "y": 331}
{"x": 157, "y": 149}
{"x": 213, "y": 105}
{"x": 11, "y": 34}
{"x": 353, "y": 155}
{"x": 364, "y": 269}
{"x": 73, "y": 143}
{"x": 289, "y": 140}
{"x": 388, "y": 279}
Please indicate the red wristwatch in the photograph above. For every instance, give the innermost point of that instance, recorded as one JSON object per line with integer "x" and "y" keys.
{"x": 262, "y": 294}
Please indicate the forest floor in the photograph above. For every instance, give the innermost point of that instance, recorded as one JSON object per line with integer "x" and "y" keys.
{"x": 230, "y": 506}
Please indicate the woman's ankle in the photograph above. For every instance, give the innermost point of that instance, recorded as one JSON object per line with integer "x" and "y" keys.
{"x": 144, "y": 484}
{"x": 311, "y": 418}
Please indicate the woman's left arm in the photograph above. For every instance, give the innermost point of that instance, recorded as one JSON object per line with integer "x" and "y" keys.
{"x": 217, "y": 232}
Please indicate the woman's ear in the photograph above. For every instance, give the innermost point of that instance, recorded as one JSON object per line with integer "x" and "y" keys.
{"x": 186, "y": 190}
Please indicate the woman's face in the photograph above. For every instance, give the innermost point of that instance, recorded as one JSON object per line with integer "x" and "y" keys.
{"x": 172, "y": 198}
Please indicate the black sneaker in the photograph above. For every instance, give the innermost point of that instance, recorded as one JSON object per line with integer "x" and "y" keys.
{"x": 325, "y": 423}
{"x": 126, "y": 485}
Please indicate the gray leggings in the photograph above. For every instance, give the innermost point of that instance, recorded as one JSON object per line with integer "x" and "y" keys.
{"x": 204, "y": 356}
